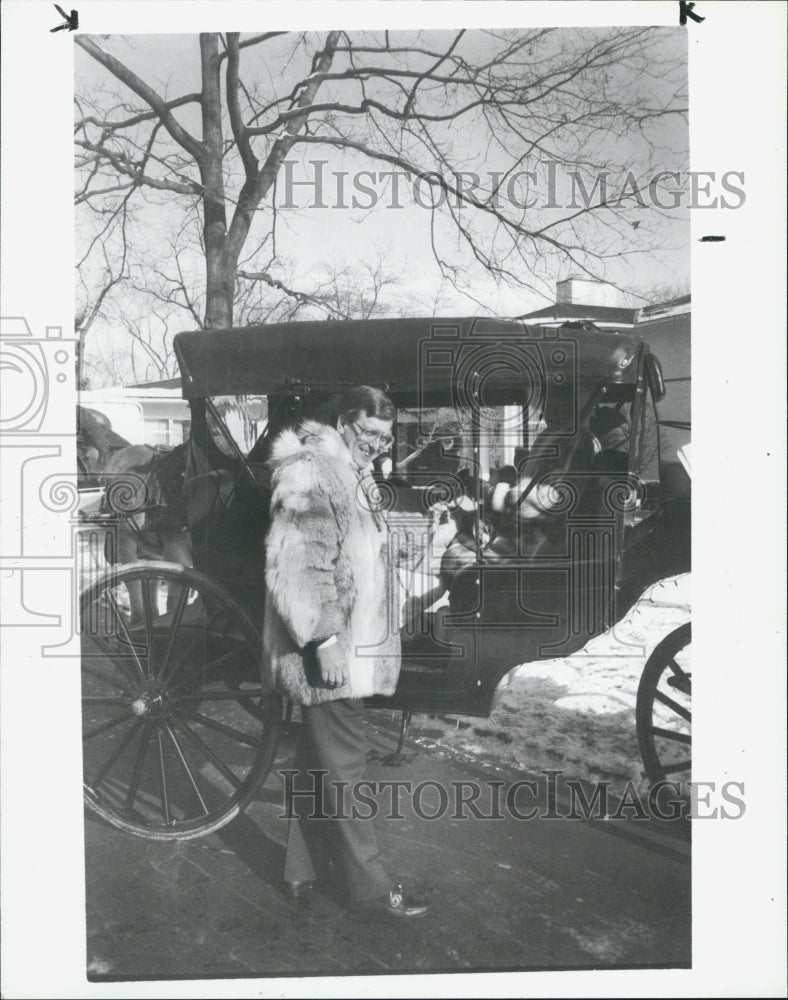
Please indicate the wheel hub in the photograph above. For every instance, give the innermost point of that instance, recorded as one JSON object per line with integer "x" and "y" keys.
{"x": 150, "y": 702}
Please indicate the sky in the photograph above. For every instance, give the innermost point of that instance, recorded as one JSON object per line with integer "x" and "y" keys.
{"x": 311, "y": 236}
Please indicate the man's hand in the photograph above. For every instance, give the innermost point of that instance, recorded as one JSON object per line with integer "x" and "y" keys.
{"x": 333, "y": 670}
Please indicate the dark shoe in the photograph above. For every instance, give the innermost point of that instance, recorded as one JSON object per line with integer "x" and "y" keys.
{"x": 399, "y": 904}
{"x": 297, "y": 890}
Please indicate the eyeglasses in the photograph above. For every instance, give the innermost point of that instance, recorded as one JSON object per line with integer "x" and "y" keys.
{"x": 385, "y": 441}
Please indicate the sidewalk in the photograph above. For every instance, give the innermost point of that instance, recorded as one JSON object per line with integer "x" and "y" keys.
{"x": 507, "y": 894}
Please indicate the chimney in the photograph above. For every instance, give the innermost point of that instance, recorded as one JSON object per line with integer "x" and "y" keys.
{"x": 579, "y": 290}
{"x": 563, "y": 291}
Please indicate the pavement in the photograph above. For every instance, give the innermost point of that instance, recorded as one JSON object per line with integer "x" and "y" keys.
{"x": 507, "y": 894}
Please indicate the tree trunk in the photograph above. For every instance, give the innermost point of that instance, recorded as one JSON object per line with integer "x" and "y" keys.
{"x": 220, "y": 287}
{"x": 220, "y": 272}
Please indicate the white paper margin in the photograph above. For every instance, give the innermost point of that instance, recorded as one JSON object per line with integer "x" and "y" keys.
{"x": 737, "y": 87}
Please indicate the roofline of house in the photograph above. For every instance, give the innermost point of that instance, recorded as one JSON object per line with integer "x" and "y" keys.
{"x": 150, "y": 390}
{"x": 611, "y": 314}
{"x": 671, "y": 306}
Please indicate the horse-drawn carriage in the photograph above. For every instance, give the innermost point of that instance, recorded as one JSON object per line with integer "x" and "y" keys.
{"x": 526, "y": 500}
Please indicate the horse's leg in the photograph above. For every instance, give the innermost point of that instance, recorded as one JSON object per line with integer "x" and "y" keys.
{"x": 177, "y": 549}
{"x": 127, "y": 552}
{"x": 122, "y": 474}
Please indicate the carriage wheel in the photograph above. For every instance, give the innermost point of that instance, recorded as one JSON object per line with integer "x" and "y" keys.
{"x": 178, "y": 731}
{"x": 663, "y": 712}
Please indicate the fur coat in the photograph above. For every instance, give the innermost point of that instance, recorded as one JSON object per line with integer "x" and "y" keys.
{"x": 328, "y": 572}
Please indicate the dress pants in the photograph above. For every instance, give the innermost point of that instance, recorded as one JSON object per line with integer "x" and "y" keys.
{"x": 332, "y": 739}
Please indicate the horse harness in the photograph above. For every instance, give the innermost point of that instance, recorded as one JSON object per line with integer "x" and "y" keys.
{"x": 161, "y": 505}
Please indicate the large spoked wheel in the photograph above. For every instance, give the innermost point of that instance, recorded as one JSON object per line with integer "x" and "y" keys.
{"x": 663, "y": 712}
{"x": 178, "y": 731}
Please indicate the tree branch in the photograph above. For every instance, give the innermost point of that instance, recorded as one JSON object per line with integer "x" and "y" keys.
{"x": 148, "y": 94}
{"x": 304, "y": 298}
{"x": 129, "y": 169}
{"x": 239, "y": 227}
{"x": 109, "y": 126}
{"x": 233, "y": 106}
{"x": 255, "y": 40}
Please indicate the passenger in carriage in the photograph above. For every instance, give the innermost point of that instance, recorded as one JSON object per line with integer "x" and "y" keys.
{"x": 611, "y": 440}
{"x": 471, "y": 534}
{"x": 522, "y": 515}
{"x": 610, "y": 430}
{"x": 461, "y": 551}
{"x": 505, "y": 481}
{"x": 328, "y": 635}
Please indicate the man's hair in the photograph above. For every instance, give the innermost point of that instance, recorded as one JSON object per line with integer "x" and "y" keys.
{"x": 365, "y": 398}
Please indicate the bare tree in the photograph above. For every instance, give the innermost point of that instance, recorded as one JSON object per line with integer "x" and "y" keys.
{"x": 91, "y": 295}
{"x": 109, "y": 364}
{"x": 339, "y": 290}
{"x": 584, "y": 101}
{"x": 149, "y": 314}
{"x": 657, "y": 292}
{"x": 138, "y": 347}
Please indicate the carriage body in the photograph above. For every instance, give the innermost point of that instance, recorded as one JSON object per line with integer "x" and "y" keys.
{"x": 512, "y": 542}
{"x": 477, "y": 400}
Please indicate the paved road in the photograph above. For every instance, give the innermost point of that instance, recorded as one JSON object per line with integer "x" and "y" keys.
{"x": 507, "y": 894}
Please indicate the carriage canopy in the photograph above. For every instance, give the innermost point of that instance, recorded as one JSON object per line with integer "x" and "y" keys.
{"x": 488, "y": 361}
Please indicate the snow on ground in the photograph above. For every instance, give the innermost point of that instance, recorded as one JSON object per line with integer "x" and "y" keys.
{"x": 575, "y": 714}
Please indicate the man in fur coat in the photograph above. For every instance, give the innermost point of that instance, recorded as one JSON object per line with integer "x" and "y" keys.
{"x": 331, "y": 634}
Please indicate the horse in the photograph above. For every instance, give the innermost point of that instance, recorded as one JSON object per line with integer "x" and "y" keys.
{"x": 96, "y": 443}
{"x": 144, "y": 488}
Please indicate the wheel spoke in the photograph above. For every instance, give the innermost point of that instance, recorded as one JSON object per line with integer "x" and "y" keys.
{"x": 674, "y": 705}
{"x": 139, "y": 762}
{"x": 219, "y": 727}
{"x": 209, "y": 753}
{"x": 670, "y": 734}
{"x": 178, "y": 728}
{"x": 116, "y": 720}
{"x": 147, "y": 614}
{"x": 682, "y": 765}
{"x": 127, "y": 635}
{"x": 117, "y": 752}
{"x": 235, "y": 695}
{"x": 199, "y": 634}
{"x": 165, "y": 800}
{"x": 117, "y": 658}
{"x": 677, "y": 670}
{"x": 664, "y": 698}
{"x": 187, "y": 769}
{"x": 228, "y": 657}
{"x": 681, "y": 679}
{"x": 175, "y": 625}
{"x": 213, "y": 667}
{"x": 87, "y": 669}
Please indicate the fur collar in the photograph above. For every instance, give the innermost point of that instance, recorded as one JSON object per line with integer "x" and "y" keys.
{"x": 311, "y": 438}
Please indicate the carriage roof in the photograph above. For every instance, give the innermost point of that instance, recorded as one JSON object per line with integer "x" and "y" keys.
{"x": 404, "y": 355}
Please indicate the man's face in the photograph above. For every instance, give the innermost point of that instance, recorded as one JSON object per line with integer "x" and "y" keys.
{"x": 366, "y": 437}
